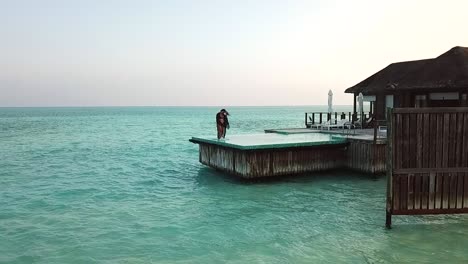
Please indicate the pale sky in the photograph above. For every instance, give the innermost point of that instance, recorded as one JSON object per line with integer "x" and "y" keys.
{"x": 201, "y": 52}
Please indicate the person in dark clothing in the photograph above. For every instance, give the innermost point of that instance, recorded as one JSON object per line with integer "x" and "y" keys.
{"x": 226, "y": 123}
{"x": 222, "y": 123}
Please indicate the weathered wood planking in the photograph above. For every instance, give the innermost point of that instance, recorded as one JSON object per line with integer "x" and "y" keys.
{"x": 428, "y": 172}
{"x": 359, "y": 155}
{"x": 272, "y": 162}
{"x": 365, "y": 156}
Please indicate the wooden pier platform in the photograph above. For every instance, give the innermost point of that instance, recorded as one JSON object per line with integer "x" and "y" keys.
{"x": 276, "y": 154}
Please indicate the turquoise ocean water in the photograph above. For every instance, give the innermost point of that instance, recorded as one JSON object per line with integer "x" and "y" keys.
{"x": 123, "y": 185}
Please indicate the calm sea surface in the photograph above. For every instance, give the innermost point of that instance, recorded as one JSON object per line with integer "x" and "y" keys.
{"x": 123, "y": 185}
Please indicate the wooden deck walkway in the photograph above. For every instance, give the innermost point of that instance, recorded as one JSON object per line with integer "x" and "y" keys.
{"x": 358, "y": 134}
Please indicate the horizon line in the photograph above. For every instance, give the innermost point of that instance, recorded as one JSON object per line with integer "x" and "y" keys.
{"x": 225, "y": 106}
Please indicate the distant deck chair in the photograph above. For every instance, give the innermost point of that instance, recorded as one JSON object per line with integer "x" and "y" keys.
{"x": 339, "y": 124}
{"x": 316, "y": 125}
{"x": 358, "y": 123}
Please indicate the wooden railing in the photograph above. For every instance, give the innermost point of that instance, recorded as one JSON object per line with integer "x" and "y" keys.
{"x": 312, "y": 118}
{"x": 427, "y": 161}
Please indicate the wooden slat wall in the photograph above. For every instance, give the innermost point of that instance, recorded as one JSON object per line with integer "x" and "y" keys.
{"x": 267, "y": 163}
{"x": 429, "y": 152}
{"x": 366, "y": 157}
{"x": 359, "y": 155}
{"x": 306, "y": 160}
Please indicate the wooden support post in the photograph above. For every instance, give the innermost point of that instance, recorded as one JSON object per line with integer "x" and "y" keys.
{"x": 354, "y": 108}
{"x": 336, "y": 117}
{"x": 306, "y": 120}
{"x": 374, "y": 146}
{"x": 320, "y": 119}
{"x": 313, "y": 118}
{"x": 363, "y": 119}
{"x": 388, "y": 220}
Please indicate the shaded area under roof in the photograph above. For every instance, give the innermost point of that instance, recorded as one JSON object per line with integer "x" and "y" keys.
{"x": 449, "y": 70}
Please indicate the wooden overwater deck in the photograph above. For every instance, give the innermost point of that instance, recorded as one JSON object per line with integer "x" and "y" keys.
{"x": 293, "y": 151}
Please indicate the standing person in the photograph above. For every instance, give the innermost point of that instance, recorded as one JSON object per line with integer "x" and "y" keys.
{"x": 226, "y": 122}
{"x": 221, "y": 123}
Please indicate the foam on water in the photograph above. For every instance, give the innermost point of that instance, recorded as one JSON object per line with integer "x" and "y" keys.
{"x": 123, "y": 185}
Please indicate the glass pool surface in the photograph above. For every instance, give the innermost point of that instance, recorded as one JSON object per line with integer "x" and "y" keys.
{"x": 274, "y": 140}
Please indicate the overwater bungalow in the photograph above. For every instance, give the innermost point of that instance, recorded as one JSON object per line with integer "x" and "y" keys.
{"x": 424, "y": 152}
{"x": 437, "y": 82}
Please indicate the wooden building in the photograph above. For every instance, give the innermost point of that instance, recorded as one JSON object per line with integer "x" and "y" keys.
{"x": 437, "y": 82}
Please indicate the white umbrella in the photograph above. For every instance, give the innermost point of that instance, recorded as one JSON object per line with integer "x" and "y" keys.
{"x": 360, "y": 103}
{"x": 361, "y": 107}
{"x": 330, "y": 101}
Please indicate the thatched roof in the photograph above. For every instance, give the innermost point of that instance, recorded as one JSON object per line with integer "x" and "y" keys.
{"x": 449, "y": 70}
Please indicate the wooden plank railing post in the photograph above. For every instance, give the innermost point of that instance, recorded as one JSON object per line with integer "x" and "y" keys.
{"x": 313, "y": 118}
{"x": 320, "y": 119}
{"x": 336, "y": 117}
{"x": 388, "y": 220}
{"x": 363, "y": 117}
{"x": 389, "y": 211}
{"x": 375, "y": 131}
{"x": 306, "y": 120}
{"x": 374, "y": 146}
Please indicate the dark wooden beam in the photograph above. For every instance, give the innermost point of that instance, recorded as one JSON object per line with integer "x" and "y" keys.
{"x": 429, "y": 170}
{"x": 354, "y": 104}
{"x": 389, "y": 167}
{"x": 431, "y": 211}
{"x": 354, "y": 108}
{"x": 430, "y": 110}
